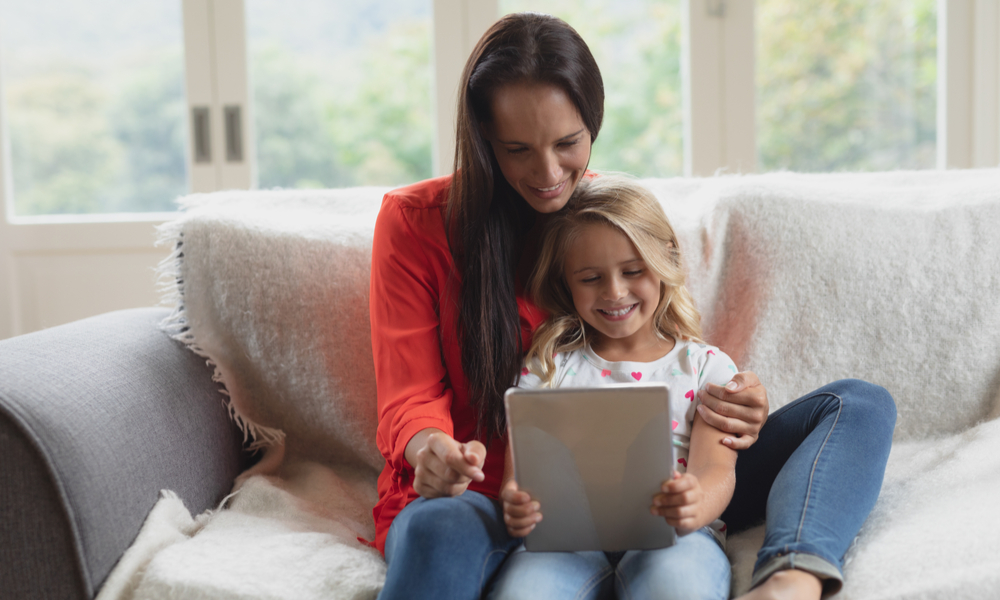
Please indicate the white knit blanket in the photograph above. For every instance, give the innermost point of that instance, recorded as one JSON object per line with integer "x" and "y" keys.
{"x": 889, "y": 277}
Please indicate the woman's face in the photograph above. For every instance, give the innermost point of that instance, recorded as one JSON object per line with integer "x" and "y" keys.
{"x": 540, "y": 142}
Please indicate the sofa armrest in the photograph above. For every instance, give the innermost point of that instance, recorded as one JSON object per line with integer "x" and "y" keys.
{"x": 96, "y": 417}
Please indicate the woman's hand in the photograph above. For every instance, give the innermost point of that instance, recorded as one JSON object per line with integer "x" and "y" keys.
{"x": 520, "y": 512}
{"x": 443, "y": 466}
{"x": 739, "y": 408}
{"x": 681, "y": 502}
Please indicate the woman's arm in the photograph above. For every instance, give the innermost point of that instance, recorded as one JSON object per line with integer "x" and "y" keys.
{"x": 698, "y": 497}
{"x": 739, "y": 408}
{"x": 415, "y": 429}
{"x": 442, "y": 466}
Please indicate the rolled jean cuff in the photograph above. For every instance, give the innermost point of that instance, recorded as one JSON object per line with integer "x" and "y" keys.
{"x": 828, "y": 573}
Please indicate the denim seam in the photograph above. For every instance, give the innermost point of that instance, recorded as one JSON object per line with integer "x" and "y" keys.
{"x": 593, "y": 582}
{"x": 812, "y": 472}
{"x": 623, "y": 581}
{"x": 486, "y": 562}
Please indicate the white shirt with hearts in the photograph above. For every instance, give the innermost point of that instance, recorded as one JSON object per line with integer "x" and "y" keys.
{"x": 687, "y": 368}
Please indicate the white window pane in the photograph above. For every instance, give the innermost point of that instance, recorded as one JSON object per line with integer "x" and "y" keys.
{"x": 637, "y": 46}
{"x": 846, "y": 84}
{"x": 341, "y": 91}
{"x": 94, "y": 105}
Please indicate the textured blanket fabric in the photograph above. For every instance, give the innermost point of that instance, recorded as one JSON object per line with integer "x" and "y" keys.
{"x": 272, "y": 287}
{"x": 889, "y": 277}
{"x": 267, "y": 543}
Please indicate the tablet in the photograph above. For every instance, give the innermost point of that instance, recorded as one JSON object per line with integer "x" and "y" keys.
{"x": 593, "y": 458}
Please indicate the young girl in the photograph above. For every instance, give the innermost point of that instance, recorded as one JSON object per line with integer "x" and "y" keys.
{"x": 610, "y": 276}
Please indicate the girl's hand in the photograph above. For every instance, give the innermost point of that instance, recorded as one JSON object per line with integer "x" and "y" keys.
{"x": 443, "y": 466}
{"x": 679, "y": 502}
{"x": 520, "y": 512}
{"x": 739, "y": 408}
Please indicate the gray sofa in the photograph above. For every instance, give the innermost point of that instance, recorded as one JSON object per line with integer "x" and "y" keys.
{"x": 803, "y": 279}
{"x": 96, "y": 417}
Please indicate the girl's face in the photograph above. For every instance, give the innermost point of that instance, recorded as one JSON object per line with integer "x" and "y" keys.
{"x": 540, "y": 142}
{"x": 613, "y": 290}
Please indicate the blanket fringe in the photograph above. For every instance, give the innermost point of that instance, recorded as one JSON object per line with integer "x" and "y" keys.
{"x": 170, "y": 284}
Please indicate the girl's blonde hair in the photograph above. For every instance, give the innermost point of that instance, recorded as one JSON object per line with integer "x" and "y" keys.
{"x": 619, "y": 202}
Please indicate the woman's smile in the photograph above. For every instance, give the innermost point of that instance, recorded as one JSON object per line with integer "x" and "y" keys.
{"x": 547, "y": 193}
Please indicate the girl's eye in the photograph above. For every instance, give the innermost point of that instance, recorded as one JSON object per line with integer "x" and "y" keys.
{"x": 516, "y": 150}
{"x": 591, "y": 279}
{"x": 634, "y": 273}
{"x": 568, "y": 144}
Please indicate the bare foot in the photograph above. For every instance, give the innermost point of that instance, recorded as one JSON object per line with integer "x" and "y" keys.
{"x": 787, "y": 585}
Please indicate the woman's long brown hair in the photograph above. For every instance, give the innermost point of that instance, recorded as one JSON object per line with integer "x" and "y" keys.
{"x": 486, "y": 218}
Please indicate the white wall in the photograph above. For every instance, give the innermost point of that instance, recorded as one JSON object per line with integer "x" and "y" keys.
{"x": 56, "y": 273}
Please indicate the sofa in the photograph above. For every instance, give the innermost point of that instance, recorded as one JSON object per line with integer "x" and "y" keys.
{"x": 222, "y": 446}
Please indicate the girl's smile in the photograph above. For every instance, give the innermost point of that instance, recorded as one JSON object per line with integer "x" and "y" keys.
{"x": 618, "y": 314}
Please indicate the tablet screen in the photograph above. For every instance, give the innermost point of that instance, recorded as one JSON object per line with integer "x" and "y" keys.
{"x": 593, "y": 458}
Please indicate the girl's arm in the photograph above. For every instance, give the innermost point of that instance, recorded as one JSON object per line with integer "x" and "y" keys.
{"x": 690, "y": 501}
{"x": 520, "y": 512}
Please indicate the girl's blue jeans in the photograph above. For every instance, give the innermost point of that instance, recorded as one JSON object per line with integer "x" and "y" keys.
{"x": 815, "y": 473}
{"x": 695, "y": 568}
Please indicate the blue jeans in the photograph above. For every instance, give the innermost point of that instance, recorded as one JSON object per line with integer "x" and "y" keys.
{"x": 814, "y": 473}
{"x": 695, "y": 568}
{"x": 446, "y": 548}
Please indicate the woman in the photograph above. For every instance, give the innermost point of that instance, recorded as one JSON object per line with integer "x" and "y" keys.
{"x": 450, "y": 322}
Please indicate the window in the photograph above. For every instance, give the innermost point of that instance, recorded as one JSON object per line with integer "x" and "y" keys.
{"x": 98, "y": 119}
{"x": 93, "y": 105}
{"x": 341, "y": 93}
{"x": 99, "y": 101}
{"x": 637, "y": 45}
{"x": 846, "y": 85}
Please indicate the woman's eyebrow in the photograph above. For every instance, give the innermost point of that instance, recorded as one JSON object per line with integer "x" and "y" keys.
{"x": 562, "y": 139}
{"x": 566, "y": 137}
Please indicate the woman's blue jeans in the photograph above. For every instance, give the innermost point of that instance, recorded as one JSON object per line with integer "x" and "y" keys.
{"x": 815, "y": 472}
{"x": 446, "y": 548}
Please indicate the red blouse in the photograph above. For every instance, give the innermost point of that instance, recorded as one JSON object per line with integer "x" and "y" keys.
{"x": 418, "y": 362}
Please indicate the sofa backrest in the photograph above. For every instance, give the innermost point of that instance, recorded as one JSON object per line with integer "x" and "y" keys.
{"x": 804, "y": 279}
{"x": 888, "y": 277}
